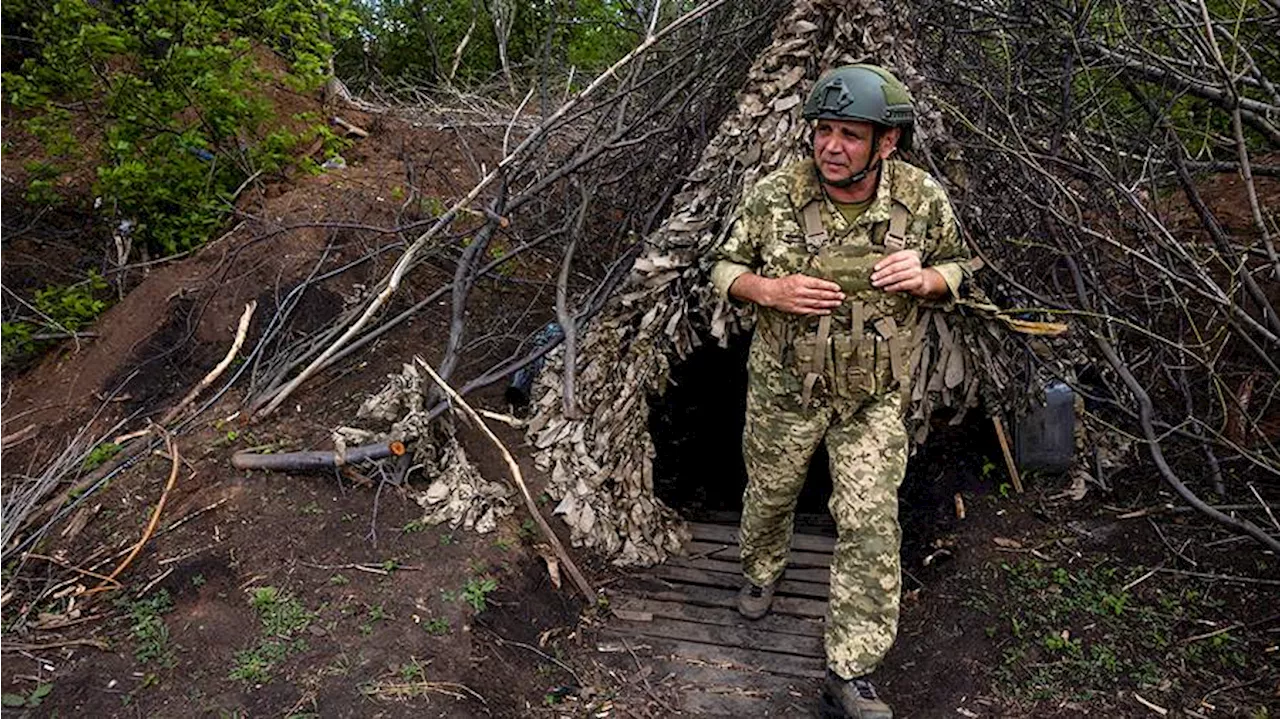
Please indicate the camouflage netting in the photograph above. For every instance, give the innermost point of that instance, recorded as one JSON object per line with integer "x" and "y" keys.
{"x": 456, "y": 492}
{"x": 601, "y": 466}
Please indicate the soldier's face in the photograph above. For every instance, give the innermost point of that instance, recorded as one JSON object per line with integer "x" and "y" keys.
{"x": 842, "y": 148}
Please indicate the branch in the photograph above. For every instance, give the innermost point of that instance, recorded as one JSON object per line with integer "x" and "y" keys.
{"x": 576, "y": 574}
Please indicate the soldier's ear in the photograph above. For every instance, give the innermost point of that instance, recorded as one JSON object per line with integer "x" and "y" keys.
{"x": 889, "y": 142}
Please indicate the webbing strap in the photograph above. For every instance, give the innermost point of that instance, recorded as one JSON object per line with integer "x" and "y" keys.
{"x": 888, "y": 329}
{"x": 815, "y": 233}
{"x": 896, "y": 238}
{"x": 864, "y": 348}
{"x": 819, "y": 359}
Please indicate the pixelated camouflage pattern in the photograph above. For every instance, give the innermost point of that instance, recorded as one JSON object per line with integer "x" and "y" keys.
{"x": 867, "y": 444}
{"x": 858, "y": 410}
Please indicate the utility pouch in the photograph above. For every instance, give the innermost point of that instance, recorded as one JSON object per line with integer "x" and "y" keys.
{"x": 848, "y": 266}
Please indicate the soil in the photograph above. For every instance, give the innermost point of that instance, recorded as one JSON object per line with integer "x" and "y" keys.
{"x": 391, "y": 632}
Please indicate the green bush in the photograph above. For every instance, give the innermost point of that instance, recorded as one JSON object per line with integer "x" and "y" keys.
{"x": 175, "y": 89}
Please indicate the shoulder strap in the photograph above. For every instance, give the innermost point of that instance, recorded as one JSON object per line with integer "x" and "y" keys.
{"x": 815, "y": 233}
{"x": 896, "y": 238}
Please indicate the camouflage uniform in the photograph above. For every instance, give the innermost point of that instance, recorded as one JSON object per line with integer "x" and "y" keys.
{"x": 856, "y": 404}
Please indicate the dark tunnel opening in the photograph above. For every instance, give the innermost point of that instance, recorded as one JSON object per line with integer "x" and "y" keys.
{"x": 698, "y": 468}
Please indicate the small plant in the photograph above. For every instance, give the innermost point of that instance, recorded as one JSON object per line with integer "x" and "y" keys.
{"x": 312, "y": 509}
{"x": 528, "y": 530}
{"x": 378, "y": 613}
{"x": 100, "y": 455}
{"x": 339, "y": 580}
{"x": 197, "y": 580}
{"x": 390, "y": 565}
{"x": 416, "y": 525}
{"x": 477, "y": 590}
{"x": 446, "y": 539}
{"x": 30, "y": 700}
{"x": 282, "y": 617}
{"x": 437, "y": 626}
{"x": 149, "y": 631}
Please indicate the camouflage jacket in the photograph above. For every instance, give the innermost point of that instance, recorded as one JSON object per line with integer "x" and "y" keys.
{"x": 766, "y": 236}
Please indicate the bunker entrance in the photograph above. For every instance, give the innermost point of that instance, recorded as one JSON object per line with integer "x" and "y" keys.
{"x": 698, "y": 468}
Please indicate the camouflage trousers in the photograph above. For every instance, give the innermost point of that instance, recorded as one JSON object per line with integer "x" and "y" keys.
{"x": 867, "y": 442}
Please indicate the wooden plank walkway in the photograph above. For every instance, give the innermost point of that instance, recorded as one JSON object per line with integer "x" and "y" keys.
{"x": 683, "y": 616}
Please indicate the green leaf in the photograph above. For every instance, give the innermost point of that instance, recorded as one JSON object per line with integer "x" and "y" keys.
{"x": 13, "y": 700}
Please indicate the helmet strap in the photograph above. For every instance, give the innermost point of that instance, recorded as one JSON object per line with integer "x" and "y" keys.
{"x": 873, "y": 164}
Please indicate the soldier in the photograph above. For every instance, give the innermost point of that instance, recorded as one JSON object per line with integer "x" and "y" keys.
{"x": 837, "y": 251}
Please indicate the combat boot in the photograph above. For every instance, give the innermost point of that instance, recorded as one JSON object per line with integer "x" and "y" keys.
{"x": 753, "y": 601}
{"x": 852, "y": 699}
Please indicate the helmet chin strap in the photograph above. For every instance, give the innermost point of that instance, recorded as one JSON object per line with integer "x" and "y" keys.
{"x": 873, "y": 165}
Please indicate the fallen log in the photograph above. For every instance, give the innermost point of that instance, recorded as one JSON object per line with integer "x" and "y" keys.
{"x": 316, "y": 459}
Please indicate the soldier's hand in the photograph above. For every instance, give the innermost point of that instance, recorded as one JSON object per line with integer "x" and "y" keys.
{"x": 802, "y": 295}
{"x": 901, "y": 272}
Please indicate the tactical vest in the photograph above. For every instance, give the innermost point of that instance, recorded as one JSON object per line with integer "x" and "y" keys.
{"x": 858, "y": 355}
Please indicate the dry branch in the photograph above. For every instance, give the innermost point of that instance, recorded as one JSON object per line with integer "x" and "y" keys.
{"x": 221, "y": 367}
{"x": 530, "y": 503}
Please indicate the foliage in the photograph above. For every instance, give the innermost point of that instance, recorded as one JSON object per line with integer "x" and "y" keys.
{"x": 59, "y": 309}
{"x": 149, "y": 632}
{"x": 99, "y": 455}
{"x": 1080, "y": 633}
{"x": 282, "y": 617}
{"x": 175, "y": 90}
{"x": 477, "y": 591}
{"x": 29, "y": 700}
{"x": 418, "y": 38}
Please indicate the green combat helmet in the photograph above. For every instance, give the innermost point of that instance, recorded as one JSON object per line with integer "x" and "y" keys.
{"x": 862, "y": 92}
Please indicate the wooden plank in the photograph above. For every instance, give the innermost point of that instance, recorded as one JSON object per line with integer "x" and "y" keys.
{"x": 727, "y": 534}
{"x": 757, "y": 660}
{"x": 724, "y": 616}
{"x": 805, "y": 523}
{"x": 688, "y": 575}
{"x": 744, "y": 637}
{"x": 732, "y": 553}
{"x": 802, "y": 574}
{"x": 684, "y": 675}
{"x": 719, "y": 597}
{"x": 724, "y": 704}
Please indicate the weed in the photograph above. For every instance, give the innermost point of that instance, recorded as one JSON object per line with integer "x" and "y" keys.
{"x": 282, "y": 617}
{"x": 390, "y": 565}
{"x": 339, "y": 580}
{"x": 446, "y": 539}
{"x": 477, "y": 591}
{"x": 437, "y": 626}
{"x": 528, "y": 530}
{"x": 416, "y": 525}
{"x": 29, "y": 700}
{"x": 378, "y": 613}
{"x": 149, "y": 631}
{"x": 311, "y": 508}
{"x": 197, "y": 580}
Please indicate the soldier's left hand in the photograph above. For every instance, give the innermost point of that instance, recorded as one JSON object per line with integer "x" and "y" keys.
{"x": 899, "y": 272}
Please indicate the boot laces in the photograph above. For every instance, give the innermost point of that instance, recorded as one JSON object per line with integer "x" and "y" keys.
{"x": 864, "y": 689}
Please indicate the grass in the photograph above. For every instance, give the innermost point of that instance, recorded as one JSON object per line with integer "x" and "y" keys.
{"x": 282, "y": 618}
{"x": 437, "y": 626}
{"x": 1077, "y": 634}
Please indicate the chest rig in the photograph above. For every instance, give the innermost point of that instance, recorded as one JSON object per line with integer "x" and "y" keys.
{"x": 858, "y": 358}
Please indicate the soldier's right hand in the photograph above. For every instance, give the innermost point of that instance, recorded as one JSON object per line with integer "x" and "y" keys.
{"x": 802, "y": 295}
